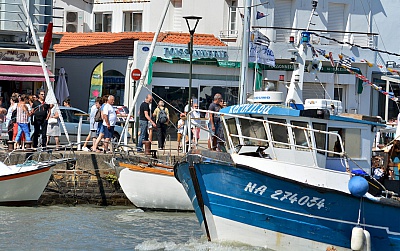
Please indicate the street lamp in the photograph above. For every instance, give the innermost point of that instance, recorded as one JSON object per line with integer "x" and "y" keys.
{"x": 191, "y": 21}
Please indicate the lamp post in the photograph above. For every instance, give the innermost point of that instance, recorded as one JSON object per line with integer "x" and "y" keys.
{"x": 191, "y": 22}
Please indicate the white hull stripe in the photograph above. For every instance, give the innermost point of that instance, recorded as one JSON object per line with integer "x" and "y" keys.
{"x": 301, "y": 214}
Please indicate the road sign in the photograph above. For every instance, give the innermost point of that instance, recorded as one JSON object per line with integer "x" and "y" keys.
{"x": 136, "y": 74}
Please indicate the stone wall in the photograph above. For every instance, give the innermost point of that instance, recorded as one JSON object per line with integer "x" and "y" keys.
{"x": 89, "y": 181}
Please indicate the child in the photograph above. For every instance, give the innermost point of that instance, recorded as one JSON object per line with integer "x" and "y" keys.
{"x": 181, "y": 127}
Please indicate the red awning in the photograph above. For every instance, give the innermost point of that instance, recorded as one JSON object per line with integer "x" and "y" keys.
{"x": 23, "y": 73}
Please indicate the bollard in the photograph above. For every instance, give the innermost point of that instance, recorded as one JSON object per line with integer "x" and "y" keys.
{"x": 147, "y": 147}
{"x": 28, "y": 144}
{"x": 10, "y": 145}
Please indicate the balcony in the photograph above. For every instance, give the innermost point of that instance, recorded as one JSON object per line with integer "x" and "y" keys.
{"x": 228, "y": 35}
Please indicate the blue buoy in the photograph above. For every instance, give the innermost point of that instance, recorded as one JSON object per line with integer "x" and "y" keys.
{"x": 358, "y": 186}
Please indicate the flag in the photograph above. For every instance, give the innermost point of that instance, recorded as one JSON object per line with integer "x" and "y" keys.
{"x": 369, "y": 63}
{"x": 260, "y": 39}
{"x": 260, "y": 15}
{"x": 241, "y": 16}
{"x": 345, "y": 61}
{"x": 47, "y": 40}
{"x": 96, "y": 83}
{"x": 331, "y": 59}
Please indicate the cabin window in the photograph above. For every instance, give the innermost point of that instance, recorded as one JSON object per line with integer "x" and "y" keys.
{"x": 253, "y": 131}
{"x": 279, "y": 133}
{"x": 320, "y": 138}
{"x": 232, "y": 129}
{"x": 301, "y": 136}
{"x": 352, "y": 142}
{"x": 333, "y": 141}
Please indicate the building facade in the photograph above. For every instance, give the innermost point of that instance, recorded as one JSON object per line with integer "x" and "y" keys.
{"x": 20, "y": 68}
{"x": 342, "y": 27}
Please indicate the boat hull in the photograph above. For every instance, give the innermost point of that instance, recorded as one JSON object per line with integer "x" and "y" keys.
{"x": 151, "y": 188}
{"x": 23, "y": 185}
{"x": 241, "y": 203}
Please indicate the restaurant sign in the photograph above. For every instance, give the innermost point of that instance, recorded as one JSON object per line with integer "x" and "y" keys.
{"x": 19, "y": 55}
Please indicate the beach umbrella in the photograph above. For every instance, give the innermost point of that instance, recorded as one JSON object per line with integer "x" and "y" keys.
{"x": 62, "y": 87}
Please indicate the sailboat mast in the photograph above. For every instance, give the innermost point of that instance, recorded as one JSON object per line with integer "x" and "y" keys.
{"x": 146, "y": 66}
{"x": 245, "y": 54}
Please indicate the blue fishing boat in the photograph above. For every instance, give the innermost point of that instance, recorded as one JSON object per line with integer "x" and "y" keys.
{"x": 292, "y": 176}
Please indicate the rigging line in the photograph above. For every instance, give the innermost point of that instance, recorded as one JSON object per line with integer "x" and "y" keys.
{"x": 323, "y": 87}
{"x": 356, "y": 45}
{"x": 251, "y": 6}
{"x": 158, "y": 96}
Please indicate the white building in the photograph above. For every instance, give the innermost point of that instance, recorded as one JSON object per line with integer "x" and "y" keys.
{"x": 363, "y": 25}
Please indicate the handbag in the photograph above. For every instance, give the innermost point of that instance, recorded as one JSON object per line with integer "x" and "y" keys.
{"x": 52, "y": 121}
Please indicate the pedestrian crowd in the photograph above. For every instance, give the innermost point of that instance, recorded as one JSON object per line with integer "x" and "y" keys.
{"x": 26, "y": 111}
{"x": 160, "y": 118}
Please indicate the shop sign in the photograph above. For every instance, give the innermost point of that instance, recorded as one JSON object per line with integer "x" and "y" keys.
{"x": 18, "y": 55}
{"x": 177, "y": 52}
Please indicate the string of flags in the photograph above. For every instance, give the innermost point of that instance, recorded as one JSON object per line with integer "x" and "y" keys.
{"x": 356, "y": 45}
{"x": 345, "y": 62}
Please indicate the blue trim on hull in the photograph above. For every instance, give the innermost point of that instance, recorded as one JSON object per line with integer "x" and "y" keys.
{"x": 224, "y": 192}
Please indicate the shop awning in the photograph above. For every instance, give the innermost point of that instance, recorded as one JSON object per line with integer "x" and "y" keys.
{"x": 23, "y": 73}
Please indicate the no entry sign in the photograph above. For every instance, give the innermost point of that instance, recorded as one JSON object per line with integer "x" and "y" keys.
{"x": 136, "y": 74}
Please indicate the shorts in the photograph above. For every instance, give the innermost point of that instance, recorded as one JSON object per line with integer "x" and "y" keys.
{"x": 179, "y": 137}
{"x": 99, "y": 129}
{"x": 216, "y": 126}
{"x": 149, "y": 125}
{"x": 108, "y": 133}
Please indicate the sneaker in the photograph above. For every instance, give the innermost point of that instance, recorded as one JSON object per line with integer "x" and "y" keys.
{"x": 85, "y": 149}
{"x": 139, "y": 150}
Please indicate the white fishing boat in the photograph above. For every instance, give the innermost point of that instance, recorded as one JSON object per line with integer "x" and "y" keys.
{"x": 150, "y": 185}
{"x": 23, "y": 184}
{"x": 292, "y": 176}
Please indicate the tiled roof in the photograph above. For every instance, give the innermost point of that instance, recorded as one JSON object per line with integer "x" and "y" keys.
{"x": 121, "y": 44}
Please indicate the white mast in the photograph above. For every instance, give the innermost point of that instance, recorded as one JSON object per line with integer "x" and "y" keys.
{"x": 295, "y": 92}
{"x": 245, "y": 54}
{"x": 146, "y": 67}
{"x": 51, "y": 98}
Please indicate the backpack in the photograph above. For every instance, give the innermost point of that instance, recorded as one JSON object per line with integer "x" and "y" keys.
{"x": 162, "y": 116}
{"x": 97, "y": 117}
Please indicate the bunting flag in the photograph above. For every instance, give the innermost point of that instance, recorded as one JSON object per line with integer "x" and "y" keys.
{"x": 260, "y": 15}
{"x": 390, "y": 95}
{"x": 368, "y": 63}
{"x": 331, "y": 59}
{"x": 393, "y": 71}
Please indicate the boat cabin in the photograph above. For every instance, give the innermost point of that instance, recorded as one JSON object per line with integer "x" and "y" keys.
{"x": 308, "y": 137}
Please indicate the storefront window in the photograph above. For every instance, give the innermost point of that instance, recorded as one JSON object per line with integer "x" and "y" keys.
{"x": 175, "y": 99}
{"x": 114, "y": 84}
{"x": 229, "y": 95}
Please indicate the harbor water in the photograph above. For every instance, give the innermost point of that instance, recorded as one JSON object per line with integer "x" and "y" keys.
{"x": 102, "y": 228}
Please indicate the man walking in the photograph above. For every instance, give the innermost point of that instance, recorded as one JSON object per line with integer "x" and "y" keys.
{"x": 214, "y": 122}
{"x": 41, "y": 112}
{"x": 109, "y": 120}
{"x": 144, "y": 118}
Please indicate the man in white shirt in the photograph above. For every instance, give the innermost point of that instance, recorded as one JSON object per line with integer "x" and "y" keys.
{"x": 109, "y": 120}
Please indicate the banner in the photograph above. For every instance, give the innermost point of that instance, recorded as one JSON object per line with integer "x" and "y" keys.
{"x": 261, "y": 54}
{"x": 96, "y": 84}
